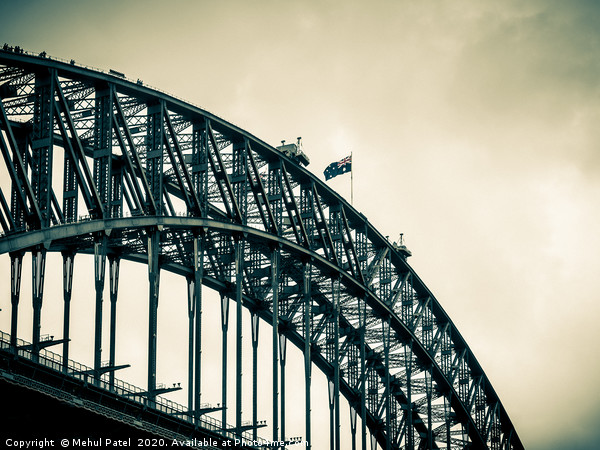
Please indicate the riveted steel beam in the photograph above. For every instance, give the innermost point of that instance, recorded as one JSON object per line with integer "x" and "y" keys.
{"x": 222, "y": 178}
{"x": 103, "y": 145}
{"x": 321, "y": 224}
{"x": 154, "y": 153}
{"x": 6, "y": 220}
{"x": 178, "y": 162}
{"x": 350, "y": 248}
{"x": 22, "y": 188}
{"x": 260, "y": 195}
{"x": 77, "y": 153}
{"x": 132, "y": 159}
{"x": 291, "y": 205}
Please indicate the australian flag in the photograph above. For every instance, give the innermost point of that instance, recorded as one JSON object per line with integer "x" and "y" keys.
{"x": 338, "y": 168}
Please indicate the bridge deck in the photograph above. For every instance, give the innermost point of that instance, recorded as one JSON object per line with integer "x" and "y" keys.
{"x": 54, "y": 403}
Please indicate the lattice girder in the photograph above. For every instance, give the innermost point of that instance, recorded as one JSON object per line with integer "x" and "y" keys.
{"x": 169, "y": 171}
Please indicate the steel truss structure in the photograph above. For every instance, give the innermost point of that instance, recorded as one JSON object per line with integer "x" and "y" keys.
{"x": 150, "y": 178}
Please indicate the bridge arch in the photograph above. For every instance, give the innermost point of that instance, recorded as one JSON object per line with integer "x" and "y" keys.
{"x": 149, "y": 178}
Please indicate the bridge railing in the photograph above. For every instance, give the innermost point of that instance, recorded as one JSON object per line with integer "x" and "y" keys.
{"x": 119, "y": 387}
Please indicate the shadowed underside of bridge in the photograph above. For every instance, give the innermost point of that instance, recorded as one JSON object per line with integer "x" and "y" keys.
{"x": 96, "y": 164}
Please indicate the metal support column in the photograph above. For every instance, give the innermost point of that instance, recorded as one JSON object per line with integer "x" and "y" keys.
{"x": 410, "y": 442}
{"x": 18, "y": 194}
{"x": 37, "y": 272}
{"x": 429, "y": 393}
{"x": 113, "y": 270}
{"x": 191, "y": 314}
{"x": 154, "y": 279}
{"x": 307, "y": 348}
{"x": 254, "y": 324}
{"x": 239, "y": 262}
{"x": 42, "y": 143}
{"x": 336, "y": 367}
{"x": 99, "y": 272}
{"x": 465, "y": 435}
{"x": 385, "y": 324}
{"x": 353, "y": 426}
{"x": 199, "y": 166}
{"x": 154, "y": 156}
{"x": 16, "y": 265}
{"x": 448, "y": 415}
{"x": 331, "y": 391}
{"x": 70, "y": 189}
{"x": 282, "y": 348}
{"x": 102, "y": 151}
{"x": 198, "y": 276}
{"x": 68, "y": 260}
{"x": 275, "y": 323}
{"x": 362, "y": 319}
{"x": 224, "y": 327}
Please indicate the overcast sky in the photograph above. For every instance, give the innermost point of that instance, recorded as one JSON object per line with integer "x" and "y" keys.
{"x": 474, "y": 128}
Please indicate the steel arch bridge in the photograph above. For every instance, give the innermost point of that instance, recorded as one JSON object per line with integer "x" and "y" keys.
{"x": 101, "y": 165}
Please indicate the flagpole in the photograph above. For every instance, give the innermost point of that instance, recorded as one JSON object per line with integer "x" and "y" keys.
{"x": 351, "y": 180}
